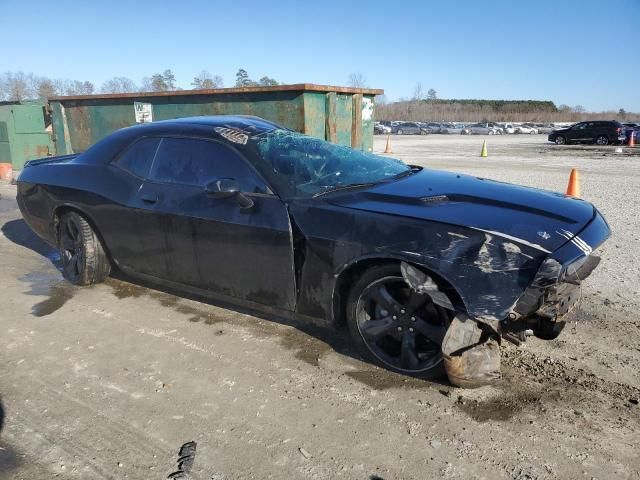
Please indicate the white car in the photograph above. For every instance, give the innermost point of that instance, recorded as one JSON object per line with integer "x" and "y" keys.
{"x": 526, "y": 129}
{"x": 508, "y": 128}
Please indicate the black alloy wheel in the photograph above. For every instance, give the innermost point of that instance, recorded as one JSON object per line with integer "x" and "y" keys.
{"x": 83, "y": 259}
{"x": 395, "y": 326}
{"x": 71, "y": 249}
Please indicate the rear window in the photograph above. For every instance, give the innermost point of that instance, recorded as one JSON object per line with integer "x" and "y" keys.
{"x": 138, "y": 157}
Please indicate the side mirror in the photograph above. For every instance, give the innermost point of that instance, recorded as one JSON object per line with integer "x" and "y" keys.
{"x": 227, "y": 188}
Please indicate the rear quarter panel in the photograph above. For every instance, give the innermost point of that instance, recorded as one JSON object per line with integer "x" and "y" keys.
{"x": 97, "y": 191}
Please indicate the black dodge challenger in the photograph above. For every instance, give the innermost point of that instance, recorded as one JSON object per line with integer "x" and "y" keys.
{"x": 429, "y": 269}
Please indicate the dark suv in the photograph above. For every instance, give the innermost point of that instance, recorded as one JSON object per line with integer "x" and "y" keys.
{"x": 601, "y": 132}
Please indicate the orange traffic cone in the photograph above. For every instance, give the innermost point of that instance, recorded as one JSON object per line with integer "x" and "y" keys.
{"x": 387, "y": 149}
{"x": 632, "y": 143}
{"x": 573, "y": 189}
{"x": 6, "y": 171}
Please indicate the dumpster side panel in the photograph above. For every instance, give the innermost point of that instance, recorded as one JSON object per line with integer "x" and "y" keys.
{"x": 61, "y": 141}
{"x": 344, "y": 118}
{"x": 368, "y": 111}
{"x": 28, "y": 137}
{"x": 315, "y": 114}
{"x": 88, "y": 121}
{"x": 5, "y": 146}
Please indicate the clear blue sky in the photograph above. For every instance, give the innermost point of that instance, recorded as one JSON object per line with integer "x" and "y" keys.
{"x": 573, "y": 52}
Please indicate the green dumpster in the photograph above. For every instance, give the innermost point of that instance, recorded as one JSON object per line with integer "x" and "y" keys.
{"x": 338, "y": 114}
{"x": 25, "y": 132}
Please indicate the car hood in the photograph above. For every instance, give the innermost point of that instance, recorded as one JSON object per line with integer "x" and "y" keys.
{"x": 538, "y": 218}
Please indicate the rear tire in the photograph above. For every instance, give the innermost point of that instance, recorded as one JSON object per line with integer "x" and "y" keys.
{"x": 84, "y": 260}
{"x": 602, "y": 140}
{"x": 387, "y": 319}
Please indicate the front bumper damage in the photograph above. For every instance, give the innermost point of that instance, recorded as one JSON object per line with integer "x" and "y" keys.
{"x": 471, "y": 346}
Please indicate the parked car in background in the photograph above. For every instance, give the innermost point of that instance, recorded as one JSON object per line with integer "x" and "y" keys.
{"x": 602, "y": 132}
{"x": 483, "y": 129}
{"x": 508, "y": 128}
{"x": 452, "y": 128}
{"x": 543, "y": 127}
{"x": 526, "y": 128}
{"x": 434, "y": 127}
{"x": 629, "y": 130}
{"x": 381, "y": 129}
{"x": 410, "y": 128}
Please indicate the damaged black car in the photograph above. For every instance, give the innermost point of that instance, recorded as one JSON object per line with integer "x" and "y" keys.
{"x": 429, "y": 269}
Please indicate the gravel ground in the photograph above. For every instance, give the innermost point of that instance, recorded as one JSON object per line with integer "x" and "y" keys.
{"x": 109, "y": 381}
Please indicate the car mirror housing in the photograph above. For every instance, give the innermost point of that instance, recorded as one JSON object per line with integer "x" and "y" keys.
{"x": 223, "y": 188}
{"x": 227, "y": 188}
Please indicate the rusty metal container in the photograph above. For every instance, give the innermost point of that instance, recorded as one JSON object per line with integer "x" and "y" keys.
{"x": 25, "y": 132}
{"x": 338, "y": 114}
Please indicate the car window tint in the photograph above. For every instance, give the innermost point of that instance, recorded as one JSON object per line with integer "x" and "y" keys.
{"x": 138, "y": 157}
{"x": 190, "y": 161}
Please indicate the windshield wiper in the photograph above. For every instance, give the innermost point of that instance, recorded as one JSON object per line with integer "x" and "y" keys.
{"x": 348, "y": 186}
{"x": 413, "y": 169}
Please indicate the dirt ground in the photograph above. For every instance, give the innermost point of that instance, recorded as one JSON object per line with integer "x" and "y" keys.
{"x": 110, "y": 381}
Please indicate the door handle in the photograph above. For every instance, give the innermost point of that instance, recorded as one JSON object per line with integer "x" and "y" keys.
{"x": 147, "y": 198}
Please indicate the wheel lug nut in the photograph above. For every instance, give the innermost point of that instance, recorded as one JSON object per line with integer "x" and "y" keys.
{"x": 402, "y": 311}
{"x": 413, "y": 319}
{"x": 394, "y": 317}
{"x": 411, "y": 329}
{"x": 399, "y": 329}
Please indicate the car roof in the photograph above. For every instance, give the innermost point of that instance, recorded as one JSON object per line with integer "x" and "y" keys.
{"x": 238, "y": 121}
{"x": 104, "y": 150}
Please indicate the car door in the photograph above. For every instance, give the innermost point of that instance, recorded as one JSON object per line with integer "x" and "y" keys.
{"x": 213, "y": 243}
{"x": 577, "y": 132}
{"x": 590, "y": 132}
{"x": 125, "y": 222}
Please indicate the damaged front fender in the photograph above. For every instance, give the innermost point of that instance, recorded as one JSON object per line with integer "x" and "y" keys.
{"x": 470, "y": 349}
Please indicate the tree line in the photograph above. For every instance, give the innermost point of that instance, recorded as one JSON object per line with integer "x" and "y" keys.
{"x": 21, "y": 86}
{"x": 472, "y": 110}
{"x": 427, "y": 107}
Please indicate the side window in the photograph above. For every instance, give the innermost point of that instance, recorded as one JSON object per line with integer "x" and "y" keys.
{"x": 189, "y": 161}
{"x": 137, "y": 158}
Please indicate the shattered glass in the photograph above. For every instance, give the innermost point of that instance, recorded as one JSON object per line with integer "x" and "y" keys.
{"x": 307, "y": 166}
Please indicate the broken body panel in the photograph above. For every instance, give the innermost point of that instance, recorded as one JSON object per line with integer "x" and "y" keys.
{"x": 498, "y": 253}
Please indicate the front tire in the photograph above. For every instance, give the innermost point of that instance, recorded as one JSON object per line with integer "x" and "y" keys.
{"x": 400, "y": 132}
{"x": 602, "y": 140}
{"x": 395, "y": 327}
{"x": 560, "y": 140}
{"x": 84, "y": 260}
